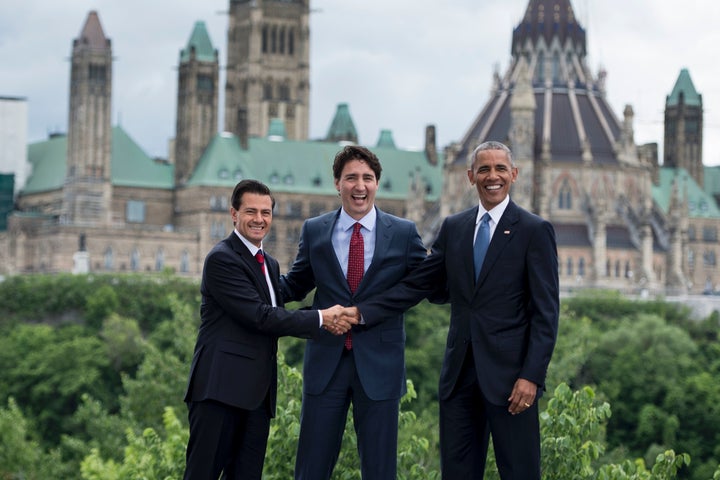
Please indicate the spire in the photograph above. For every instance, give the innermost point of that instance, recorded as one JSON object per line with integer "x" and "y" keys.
{"x": 386, "y": 139}
{"x": 200, "y": 45}
{"x": 92, "y": 35}
{"x": 342, "y": 127}
{"x": 547, "y": 19}
{"x": 684, "y": 85}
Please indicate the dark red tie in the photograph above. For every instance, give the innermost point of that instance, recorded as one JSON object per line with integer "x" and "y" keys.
{"x": 261, "y": 260}
{"x": 356, "y": 267}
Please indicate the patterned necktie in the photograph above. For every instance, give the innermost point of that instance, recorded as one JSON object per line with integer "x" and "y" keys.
{"x": 482, "y": 240}
{"x": 356, "y": 267}
{"x": 261, "y": 260}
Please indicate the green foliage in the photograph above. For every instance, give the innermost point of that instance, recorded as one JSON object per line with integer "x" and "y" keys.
{"x": 123, "y": 341}
{"x": 637, "y": 364}
{"x": 100, "y": 304}
{"x": 19, "y": 454}
{"x": 572, "y": 433}
{"x": 147, "y": 456}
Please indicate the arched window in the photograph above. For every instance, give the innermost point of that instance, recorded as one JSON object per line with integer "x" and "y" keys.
{"x": 569, "y": 267}
{"x": 265, "y": 39}
{"x": 581, "y": 267}
{"x": 159, "y": 259}
{"x": 565, "y": 196}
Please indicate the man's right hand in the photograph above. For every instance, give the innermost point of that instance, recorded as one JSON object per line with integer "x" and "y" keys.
{"x": 338, "y": 319}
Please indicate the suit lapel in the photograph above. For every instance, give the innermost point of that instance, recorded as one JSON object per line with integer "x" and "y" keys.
{"x": 253, "y": 265}
{"x": 383, "y": 236}
{"x": 502, "y": 236}
{"x": 326, "y": 233}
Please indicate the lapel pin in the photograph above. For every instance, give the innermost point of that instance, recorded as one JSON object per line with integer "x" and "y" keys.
{"x": 507, "y": 232}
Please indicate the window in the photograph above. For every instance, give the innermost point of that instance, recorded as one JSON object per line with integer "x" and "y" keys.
{"x": 205, "y": 84}
{"x": 569, "y": 267}
{"x": 135, "y": 211}
{"x": 109, "y": 258}
{"x": 565, "y": 196}
{"x": 159, "y": 259}
{"x": 581, "y": 267}
{"x": 134, "y": 260}
{"x": 709, "y": 234}
{"x": 184, "y": 261}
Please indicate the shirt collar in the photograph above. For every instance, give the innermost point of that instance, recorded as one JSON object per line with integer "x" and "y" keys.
{"x": 495, "y": 213}
{"x": 368, "y": 221}
{"x": 253, "y": 249}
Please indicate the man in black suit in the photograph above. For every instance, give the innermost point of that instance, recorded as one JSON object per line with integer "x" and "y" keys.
{"x": 503, "y": 325}
{"x": 233, "y": 377}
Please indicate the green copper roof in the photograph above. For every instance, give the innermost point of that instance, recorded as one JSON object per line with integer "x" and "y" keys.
{"x": 131, "y": 166}
{"x": 277, "y": 129}
{"x": 386, "y": 139}
{"x": 200, "y": 41}
{"x": 685, "y": 85}
{"x": 700, "y": 204}
{"x": 47, "y": 165}
{"x": 342, "y": 126}
{"x": 711, "y": 177}
{"x": 306, "y": 166}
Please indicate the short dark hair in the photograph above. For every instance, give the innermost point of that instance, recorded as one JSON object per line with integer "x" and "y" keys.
{"x": 355, "y": 152}
{"x": 249, "y": 186}
{"x": 490, "y": 145}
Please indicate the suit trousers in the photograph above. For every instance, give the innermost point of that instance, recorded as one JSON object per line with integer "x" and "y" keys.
{"x": 467, "y": 420}
{"x": 226, "y": 439}
{"x": 322, "y": 424}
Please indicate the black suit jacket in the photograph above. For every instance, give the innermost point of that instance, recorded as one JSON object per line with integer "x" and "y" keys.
{"x": 510, "y": 315}
{"x": 235, "y": 359}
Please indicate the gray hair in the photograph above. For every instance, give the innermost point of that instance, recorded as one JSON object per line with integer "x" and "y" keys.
{"x": 490, "y": 145}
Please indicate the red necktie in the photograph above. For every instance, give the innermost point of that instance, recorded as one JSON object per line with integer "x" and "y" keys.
{"x": 356, "y": 267}
{"x": 261, "y": 260}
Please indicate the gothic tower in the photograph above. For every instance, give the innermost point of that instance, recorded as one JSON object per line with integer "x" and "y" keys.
{"x": 197, "y": 102}
{"x": 268, "y": 67}
{"x": 87, "y": 191}
{"x": 684, "y": 128}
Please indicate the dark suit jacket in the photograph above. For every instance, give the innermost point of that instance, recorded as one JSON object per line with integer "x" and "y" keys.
{"x": 378, "y": 351}
{"x": 235, "y": 354}
{"x": 510, "y": 315}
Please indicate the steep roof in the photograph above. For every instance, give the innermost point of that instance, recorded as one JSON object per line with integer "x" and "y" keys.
{"x": 200, "y": 44}
{"x": 92, "y": 35}
{"x": 306, "y": 166}
{"x": 700, "y": 203}
{"x": 342, "y": 127}
{"x": 573, "y": 120}
{"x": 684, "y": 85}
{"x": 548, "y": 19}
{"x": 130, "y": 165}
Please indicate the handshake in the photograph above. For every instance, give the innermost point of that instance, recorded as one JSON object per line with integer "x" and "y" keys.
{"x": 338, "y": 319}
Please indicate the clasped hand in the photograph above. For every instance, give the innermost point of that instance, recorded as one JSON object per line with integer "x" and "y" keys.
{"x": 338, "y": 319}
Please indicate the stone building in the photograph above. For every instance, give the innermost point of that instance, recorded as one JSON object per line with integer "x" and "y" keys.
{"x": 96, "y": 202}
{"x": 622, "y": 221}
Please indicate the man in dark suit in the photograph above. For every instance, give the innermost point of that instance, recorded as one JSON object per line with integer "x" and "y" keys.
{"x": 503, "y": 324}
{"x": 368, "y": 367}
{"x": 233, "y": 376}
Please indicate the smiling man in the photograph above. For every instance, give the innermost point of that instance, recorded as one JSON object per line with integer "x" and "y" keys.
{"x": 498, "y": 266}
{"x": 233, "y": 377}
{"x": 349, "y": 255}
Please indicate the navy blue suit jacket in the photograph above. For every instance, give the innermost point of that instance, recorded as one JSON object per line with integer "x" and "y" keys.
{"x": 378, "y": 346}
{"x": 235, "y": 359}
{"x": 510, "y": 315}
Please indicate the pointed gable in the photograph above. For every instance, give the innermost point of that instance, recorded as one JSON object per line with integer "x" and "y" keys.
{"x": 92, "y": 35}
{"x": 684, "y": 86}
{"x": 199, "y": 45}
{"x": 342, "y": 127}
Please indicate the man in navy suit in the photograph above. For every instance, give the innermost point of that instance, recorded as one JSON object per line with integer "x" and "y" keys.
{"x": 368, "y": 368}
{"x": 503, "y": 324}
{"x": 233, "y": 377}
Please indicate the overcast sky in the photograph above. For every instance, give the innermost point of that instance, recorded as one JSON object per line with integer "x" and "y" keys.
{"x": 399, "y": 64}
